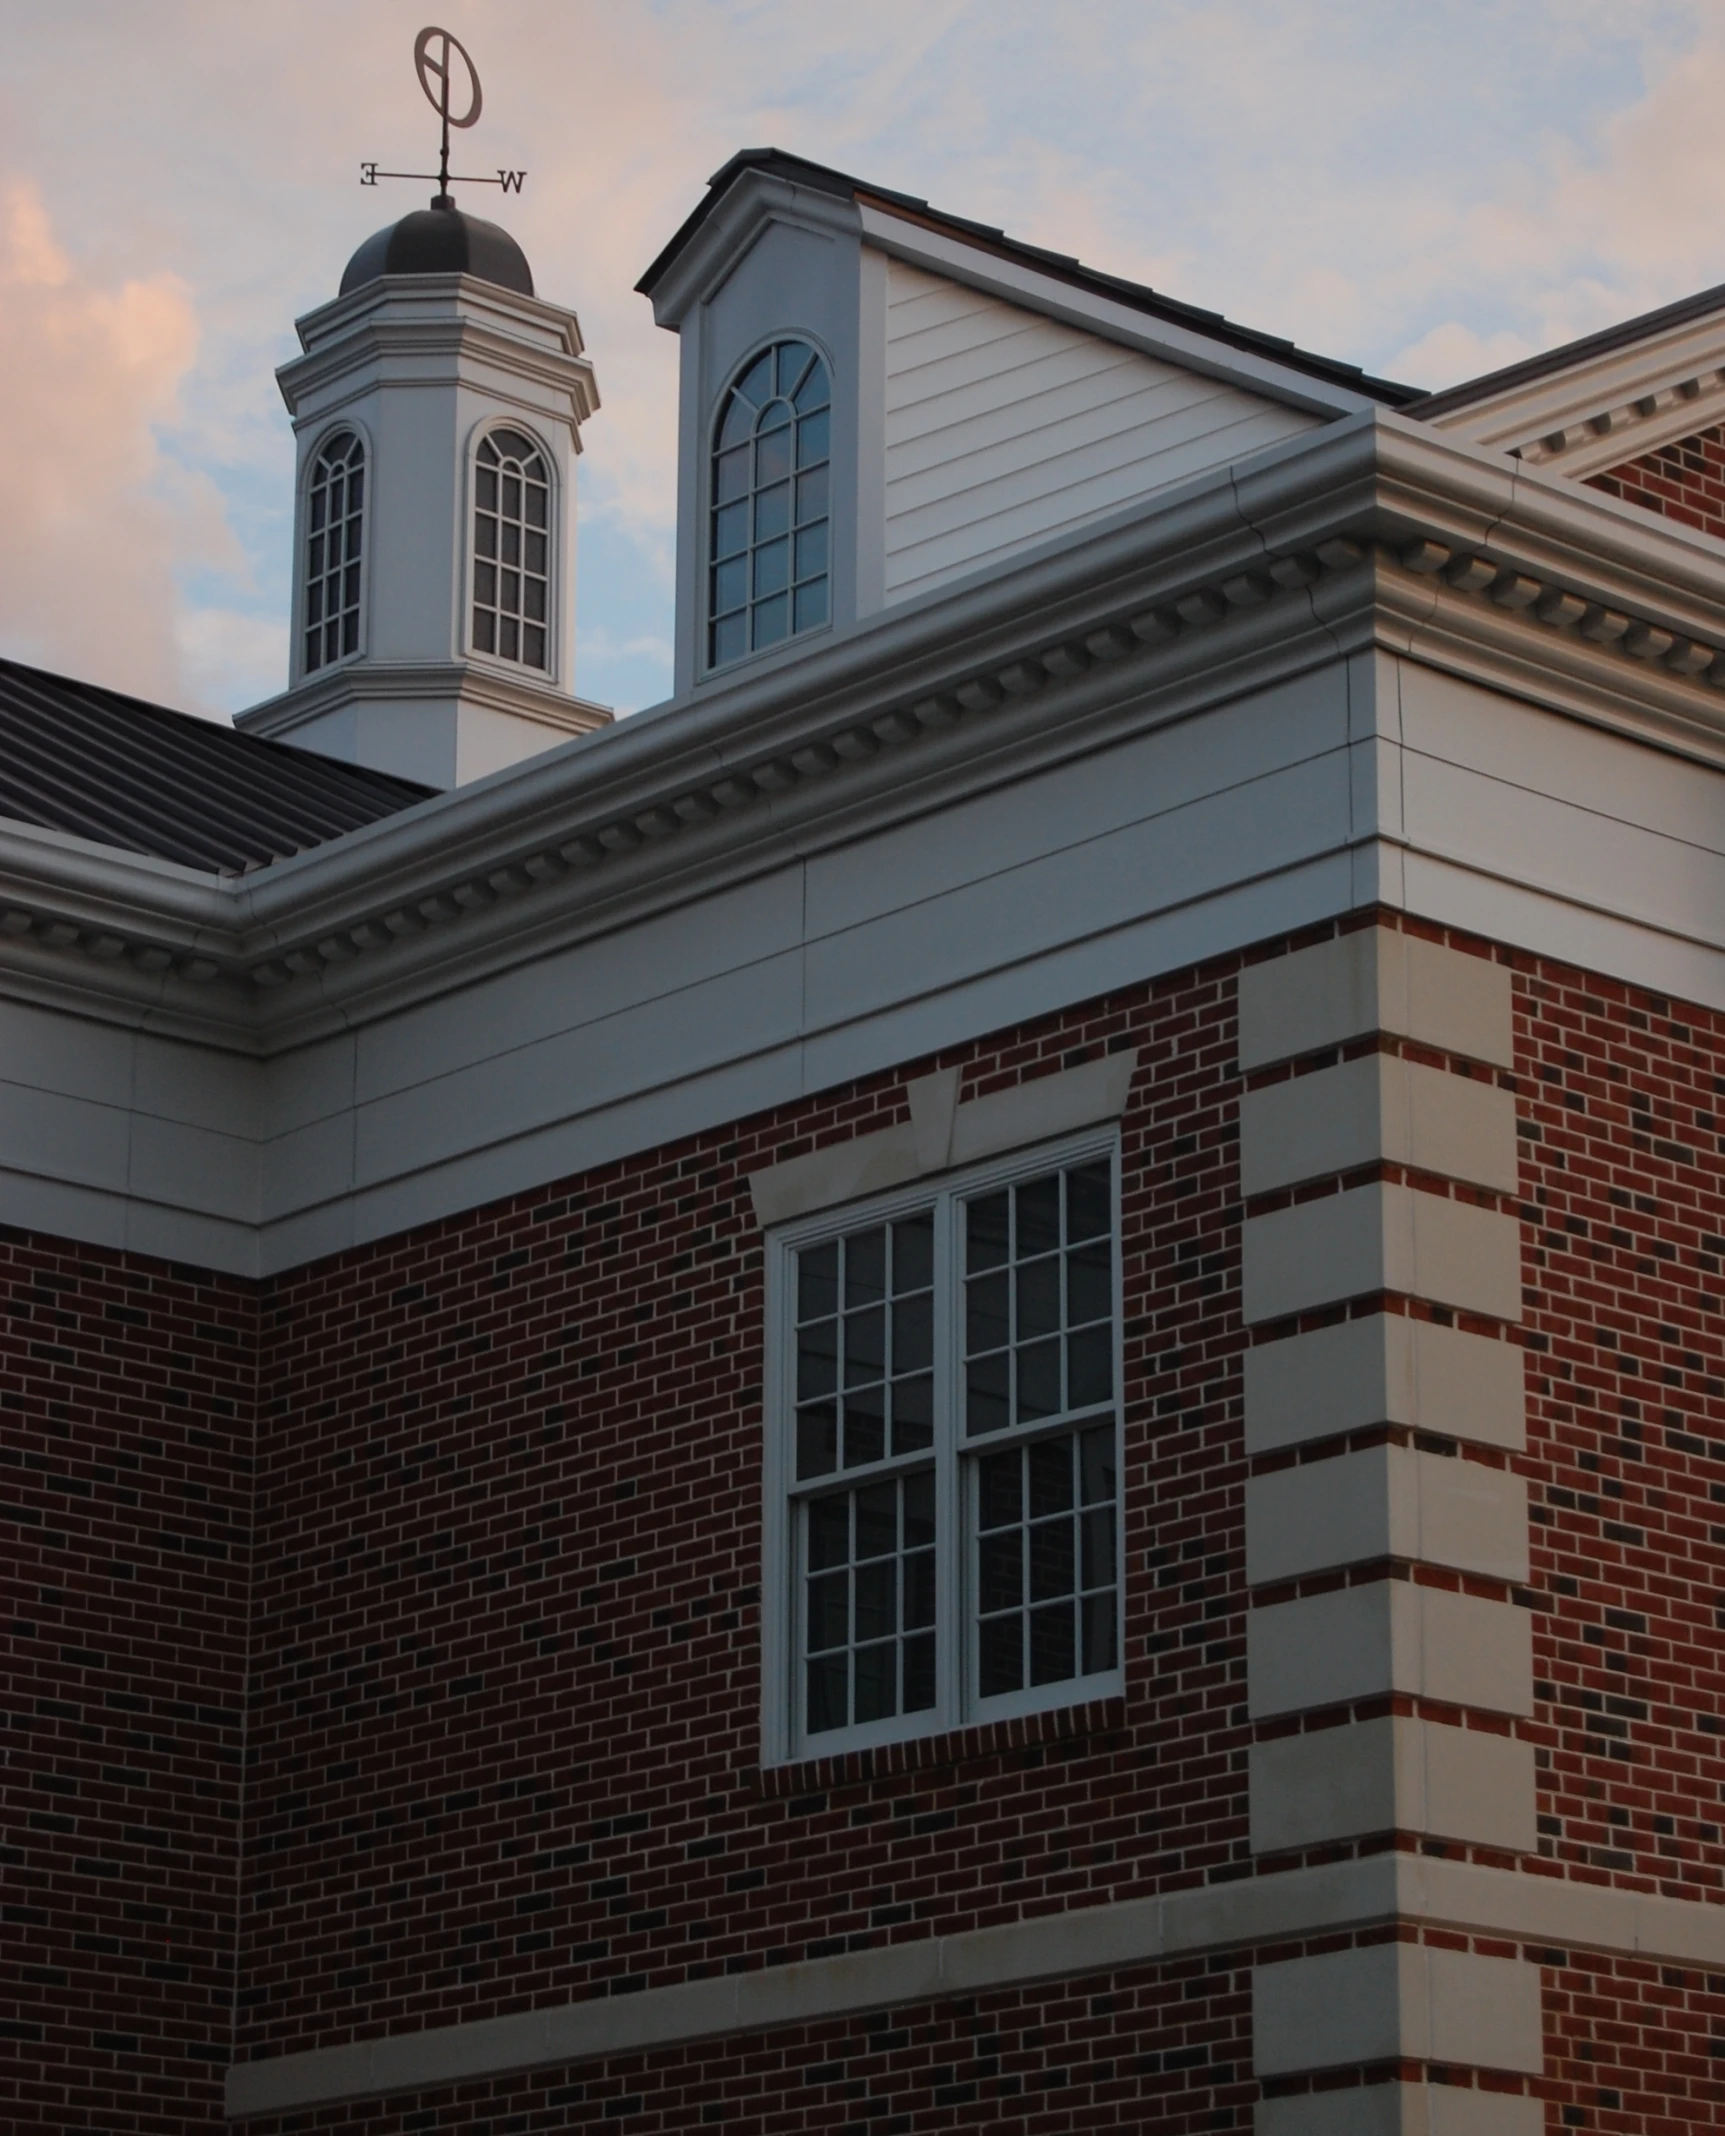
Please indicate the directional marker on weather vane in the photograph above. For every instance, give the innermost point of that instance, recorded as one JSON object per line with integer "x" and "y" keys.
{"x": 435, "y": 53}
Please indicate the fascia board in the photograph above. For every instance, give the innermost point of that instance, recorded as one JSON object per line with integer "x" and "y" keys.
{"x": 754, "y": 201}
{"x": 1598, "y": 397}
{"x": 1016, "y": 283}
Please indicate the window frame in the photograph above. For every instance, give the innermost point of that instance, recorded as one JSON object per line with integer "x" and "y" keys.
{"x": 342, "y": 426}
{"x": 707, "y": 668}
{"x": 470, "y": 649}
{"x": 958, "y": 1703}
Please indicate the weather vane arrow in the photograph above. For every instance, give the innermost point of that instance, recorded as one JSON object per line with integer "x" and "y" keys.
{"x": 435, "y": 52}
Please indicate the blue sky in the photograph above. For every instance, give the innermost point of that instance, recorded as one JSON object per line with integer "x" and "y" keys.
{"x": 1428, "y": 191}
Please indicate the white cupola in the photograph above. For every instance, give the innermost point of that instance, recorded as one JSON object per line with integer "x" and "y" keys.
{"x": 437, "y": 409}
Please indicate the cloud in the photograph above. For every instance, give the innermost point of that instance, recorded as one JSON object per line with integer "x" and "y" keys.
{"x": 94, "y": 520}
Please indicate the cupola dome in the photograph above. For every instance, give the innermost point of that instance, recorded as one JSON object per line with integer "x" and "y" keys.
{"x": 441, "y": 240}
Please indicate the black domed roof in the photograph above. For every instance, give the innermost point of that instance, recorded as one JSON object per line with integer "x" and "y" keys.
{"x": 441, "y": 240}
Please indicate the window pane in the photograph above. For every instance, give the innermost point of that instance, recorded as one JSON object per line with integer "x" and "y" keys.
{"x": 817, "y": 1439}
{"x": 912, "y": 1414}
{"x": 1051, "y": 1645}
{"x": 1089, "y": 1204}
{"x": 731, "y": 475}
{"x": 535, "y": 557}
{"x": 865, "y": 1268}
{"x": 811, "y": 496}
{"x": 484, "y": 630}
{"x": 538, "y": 499}
{"x": 986, "y": 1324}
{"x": 771, "y": 569}
{"x": 487, "y": 489}
{"x": 829, "y": 1531}
{"x": 986, "y": 1232}
{"x": 877, "y": 1519}
{"x": 828, "y": 1681}
{"x": 876, "y": 1690}
{"x": 828, "y": 1612}
{"x": 730, "y": 639}
{"x": 987, "y": 1398}
{"x": 1000, "y": 1576}
{"x": 773, "y": 455}
{"x": 913, "y": 1333}
{"x": 919, "y": 1510}
{"x": 1098, "y": 1565}
{"x": 811, "y": 604}
{"x": 813, "y": 392}
{"x": 1096, "y": 1465}
{"x": 730, "y": 585}
{"x": 533, "y": 645}
{"x": 865, "y": 1346}
{"x": 485, "y": 535}
{"x": 814, "y": 438}
{"x": 1089, "y": 1283}
{"x": 1001, "y": 1480}
{"x": 485, "y": 584}
{"x": 1090, "y": 1367}
{"x": 773, "y": 512}
{"x": 772, "y": 620}
{"x": 913, "y": 1253}
{"x": 533, "y": 599}
{"x": 794, "y": 357}
{"x": 737, "y": 428}
{"x": 818, "y": 1281}
{"x": 731, "y": 530}
{"x": 1002, "y": 1655}
{"x": 1052, "y": 1560}
{"x": 812, "y": 551}
{"x": 1037, "y": 1208}
{"x": 1039, "y": 1381}
{"x": 877, "y": 1599}
{"x": 508, "y": 637}
{"x": 511, "y": 542}
{"x": 757, "y": 382}
{"x": 1050, "y": 1477}
{"x": 817, "y": 1359}
{"x": 865, "y": 1426}
{"x": 1038, "y": 1298}
{"x": 919, "y": 1674}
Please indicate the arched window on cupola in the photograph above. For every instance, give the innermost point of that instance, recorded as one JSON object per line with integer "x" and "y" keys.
{"x": 770, "y": 527}
{"x": 335, "y": 521}
{"x": 512, "y": 550}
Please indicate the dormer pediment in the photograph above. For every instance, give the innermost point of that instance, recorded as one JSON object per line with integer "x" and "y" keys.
{"x": 986, "y": 397}
{"x": 1596, "y": 403}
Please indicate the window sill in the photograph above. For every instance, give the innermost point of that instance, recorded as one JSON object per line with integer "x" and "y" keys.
{"x": 957, "y": 1747}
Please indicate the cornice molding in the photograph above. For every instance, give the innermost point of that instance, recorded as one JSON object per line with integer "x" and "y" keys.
{"x": 444, "y": 347}
{"x": 755, "y": 200}
{"x": 368, "y": 681}
{"x": 1606, "y": 409}
{"x": 1373, "y": 532}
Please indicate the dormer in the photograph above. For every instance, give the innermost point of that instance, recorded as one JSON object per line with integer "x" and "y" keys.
{"x": 981, "y": 397}
{"x": 437, "y": 410}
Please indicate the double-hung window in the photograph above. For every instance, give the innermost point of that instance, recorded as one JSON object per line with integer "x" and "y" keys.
{"x": 943, "y": 1513}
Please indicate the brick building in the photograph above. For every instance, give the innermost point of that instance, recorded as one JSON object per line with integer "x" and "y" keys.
{"x": 977, "y": 1381}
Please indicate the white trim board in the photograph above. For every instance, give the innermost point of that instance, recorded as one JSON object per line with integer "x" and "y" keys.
{"x": 1340, "y": 1896}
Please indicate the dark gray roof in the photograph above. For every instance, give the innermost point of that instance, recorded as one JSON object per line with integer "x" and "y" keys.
{"x": 817, "y": 177}
{"x": 74, "y": 757}
{"x": 441, "y": 240}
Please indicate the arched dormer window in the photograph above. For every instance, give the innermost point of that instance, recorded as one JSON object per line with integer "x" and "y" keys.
{"x": 335, "y": 516}
{"x": 512, "y": 550}
{"x": 768, "y": 566}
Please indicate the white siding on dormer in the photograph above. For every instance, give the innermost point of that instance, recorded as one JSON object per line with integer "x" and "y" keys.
{"x": 1004, "y": 428}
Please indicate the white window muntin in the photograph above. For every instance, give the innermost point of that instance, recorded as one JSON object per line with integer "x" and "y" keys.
{"x": 956, "y": 1459}
{"x": 334, "y": 558}
{"x": 496, "y": 612}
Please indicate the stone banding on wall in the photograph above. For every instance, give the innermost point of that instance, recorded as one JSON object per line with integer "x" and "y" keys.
{"x": 1427, "y": 1026}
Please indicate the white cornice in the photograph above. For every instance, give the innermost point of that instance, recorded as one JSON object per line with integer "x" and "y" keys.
{"x": 1604, "y": 409}
{"x": 1371, "y": 531}
{"x": 469, "y": 682}
{"x": 436, "y": 351}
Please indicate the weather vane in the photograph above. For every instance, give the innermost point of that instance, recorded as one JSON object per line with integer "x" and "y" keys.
{"x": 434, "y": 55}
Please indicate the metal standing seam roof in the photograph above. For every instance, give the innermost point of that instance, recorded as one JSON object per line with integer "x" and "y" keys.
{"x": 817, "y": 177}
{"x": 75, "y": 757}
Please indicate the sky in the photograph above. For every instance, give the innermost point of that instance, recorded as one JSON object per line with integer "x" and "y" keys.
{"x": 1429, "y": 191}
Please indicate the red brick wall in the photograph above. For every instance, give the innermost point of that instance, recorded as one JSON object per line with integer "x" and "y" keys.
{"x": 126, "y": 1393}
{"x": 1684, "y": 480}
{"x": 1623, "y": 1244}
{"x": 507, "y": 1721}
{"x": 503, "y": 1735}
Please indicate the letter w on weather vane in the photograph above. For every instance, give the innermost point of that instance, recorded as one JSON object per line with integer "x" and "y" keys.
{"x": 435, "y": 52}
